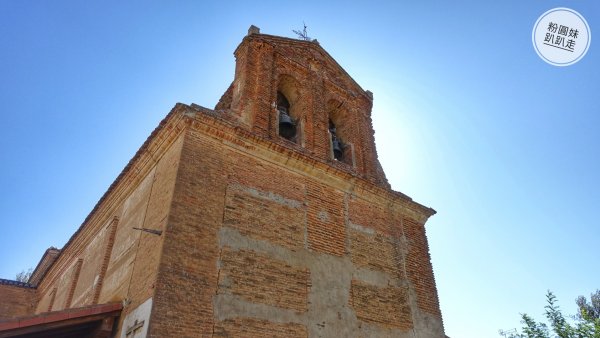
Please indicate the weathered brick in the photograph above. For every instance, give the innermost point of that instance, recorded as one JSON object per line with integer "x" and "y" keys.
{"x": 326, "y": 227}
{"x": 17, "y": 301}
{"x": 370, "y": 215}
{"x": 382, "y": 305}
{"x": 187, "y": 276}
{"x": 265, "y": 216}
{"x": 258, "y": 278}
{"x": 234, "y": 231}
{"x": 375, "y": 251}
{"x": 255, "y": 328}
{"x": 419, "y": 269}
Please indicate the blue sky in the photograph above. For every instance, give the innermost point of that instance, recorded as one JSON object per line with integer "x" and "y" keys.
{"x": 468, "y": 120}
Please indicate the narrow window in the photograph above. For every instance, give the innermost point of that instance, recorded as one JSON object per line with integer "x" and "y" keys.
{"x": 287, "y": 125}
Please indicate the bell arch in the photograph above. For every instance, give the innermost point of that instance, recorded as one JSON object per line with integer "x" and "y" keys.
{"x": 340, "y": 145}
{"x": 289, "y": 109}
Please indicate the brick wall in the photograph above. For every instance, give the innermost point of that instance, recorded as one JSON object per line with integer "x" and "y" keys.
{"x": 375, "y": 251}
{"x": 382, "y": 305}
{"x": 312, "y": 80}
{"x": 325, "y": 228}
{"x": 16, "y": 301}
{"x": 261, "y": 236}
{"x": 187, "y": 277}
{"x": 258, "y": 246}
{"x": 255, "y": 328}
{"x": 265, "y": 216}
{"x": 261, "y": 279}
{"x": 64, "y": 285}
{"x": 92, "y": 258}
{"x": 107, "y": 260}
{"x": 419, "y": 269}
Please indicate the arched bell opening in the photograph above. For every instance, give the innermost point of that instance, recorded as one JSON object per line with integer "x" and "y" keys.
{"x": 289, "y": 109}
{"x": 340, "y": 145}
{"x": 287, "y": 125}
{"x": 337, "y": 146}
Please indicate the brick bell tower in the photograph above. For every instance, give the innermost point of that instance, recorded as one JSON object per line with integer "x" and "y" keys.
{"x": 268, "y": 216}
{"x": 313, "y": 241}
{"x": 295, "y": 94}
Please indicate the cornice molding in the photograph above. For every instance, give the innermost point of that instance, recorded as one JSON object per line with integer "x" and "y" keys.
{"x": 278, "y": 153}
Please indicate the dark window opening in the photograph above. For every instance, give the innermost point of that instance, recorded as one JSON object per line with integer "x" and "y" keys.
{"x": 336, "y": 143}
{"x": 287, "y": 125}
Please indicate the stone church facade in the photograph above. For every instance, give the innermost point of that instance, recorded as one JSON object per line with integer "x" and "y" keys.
{"x": 268, "y": 216}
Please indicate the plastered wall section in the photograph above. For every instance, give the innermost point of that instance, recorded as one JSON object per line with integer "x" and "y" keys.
{"x": 259, "y": 245}
{"x": 108, "y": 260}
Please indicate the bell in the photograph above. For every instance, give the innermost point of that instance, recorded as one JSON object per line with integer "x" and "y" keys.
{"x": 337, "y": 148}
{"x": 287, "y": 128}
